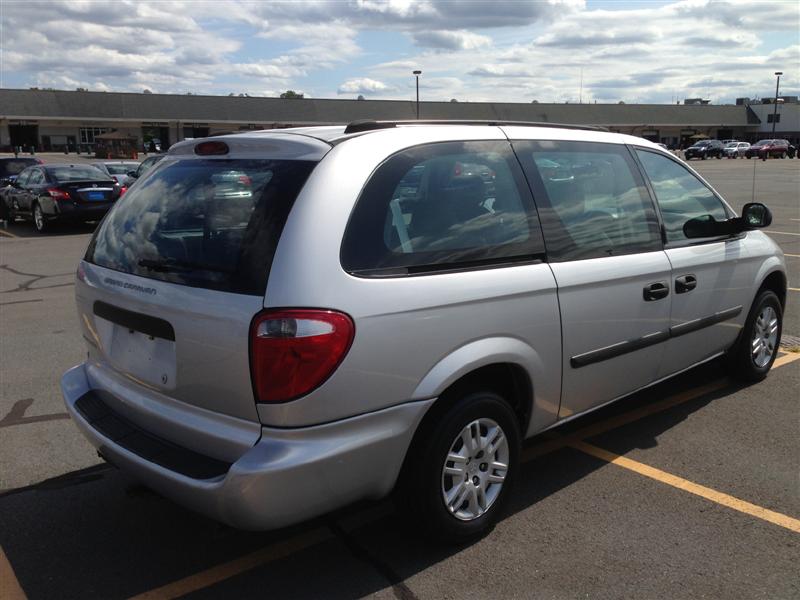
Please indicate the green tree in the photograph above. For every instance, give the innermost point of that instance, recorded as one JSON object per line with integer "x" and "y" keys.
{"x": 291, "y": 94}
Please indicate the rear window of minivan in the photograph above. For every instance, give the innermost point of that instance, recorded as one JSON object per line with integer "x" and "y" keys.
{"x": 207, "y": 223}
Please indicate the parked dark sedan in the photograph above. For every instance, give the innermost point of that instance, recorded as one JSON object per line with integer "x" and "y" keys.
{"x": 48, "y": 193}
{"x": 704, "y": 149}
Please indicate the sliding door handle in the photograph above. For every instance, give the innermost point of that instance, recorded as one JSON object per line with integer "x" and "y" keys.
{"x": 685, "y": 283}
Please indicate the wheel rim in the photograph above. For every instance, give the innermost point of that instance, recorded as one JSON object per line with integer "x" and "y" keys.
{"x": 765, "y": 337}
{"x": 475, "y": 469}
{"x": 38, "y": 217}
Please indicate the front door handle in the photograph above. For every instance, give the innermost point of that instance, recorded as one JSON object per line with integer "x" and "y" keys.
{"x": 656, "y": 291}
{"x": 685, "y": 283}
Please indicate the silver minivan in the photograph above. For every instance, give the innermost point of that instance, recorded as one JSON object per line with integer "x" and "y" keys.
{"x": 280, "y": 323}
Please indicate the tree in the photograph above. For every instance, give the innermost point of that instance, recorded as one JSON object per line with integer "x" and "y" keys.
{"x": 360, "y": 97}
{"x": 453, "y": 100}
{"x": 146, "y": 91}
{"x": 291, "y": 94}
{"x": 81, "y": 89}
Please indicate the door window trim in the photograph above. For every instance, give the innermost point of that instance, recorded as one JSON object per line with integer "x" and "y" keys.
{"x": 634, "y": 149}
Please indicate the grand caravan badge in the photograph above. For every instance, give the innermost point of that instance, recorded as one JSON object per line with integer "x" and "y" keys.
{"x": 130, "y": 286}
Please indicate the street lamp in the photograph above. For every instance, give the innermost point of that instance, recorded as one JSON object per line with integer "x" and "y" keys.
{"x": 775, "y": 110}
{"x": 417, "y": 74}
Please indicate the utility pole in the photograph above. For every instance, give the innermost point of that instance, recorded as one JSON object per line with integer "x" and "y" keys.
{"x": 775, "y": 110}
{"x": 417, "y": 74}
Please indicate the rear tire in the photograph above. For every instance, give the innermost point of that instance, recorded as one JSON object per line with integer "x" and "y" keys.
{"x": 751, "y": 358}
{"x": 453, "y": 491}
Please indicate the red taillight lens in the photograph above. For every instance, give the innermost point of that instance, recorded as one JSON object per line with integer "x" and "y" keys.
{"x": 122, "y": 190}
{"x": 294, "y": 351}
{"x": 57, "y": 194}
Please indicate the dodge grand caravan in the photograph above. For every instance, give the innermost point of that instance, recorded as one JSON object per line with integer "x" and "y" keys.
{"x": 280, "y": 323}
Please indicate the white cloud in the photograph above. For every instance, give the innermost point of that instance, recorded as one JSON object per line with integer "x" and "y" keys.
{"x": 451, "y": 40}
{"x": 365, "y": 85}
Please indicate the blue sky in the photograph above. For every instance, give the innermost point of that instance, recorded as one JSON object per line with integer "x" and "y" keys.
{"x": 470, "y": 50}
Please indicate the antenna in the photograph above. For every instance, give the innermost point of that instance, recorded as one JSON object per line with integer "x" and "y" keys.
{"x": 755, "y": 162}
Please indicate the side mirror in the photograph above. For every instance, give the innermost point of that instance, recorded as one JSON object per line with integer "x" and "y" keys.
{"x": 755, "y": 215}
{"x": 132, "y": 174}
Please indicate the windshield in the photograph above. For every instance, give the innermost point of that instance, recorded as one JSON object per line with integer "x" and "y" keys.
{"x": 732, "y": 144}
{"x": 210, "y": 223}
{"x": 763, "y": 143}
{"x": 76, "y": 173}
{"x": 701, "y": 144}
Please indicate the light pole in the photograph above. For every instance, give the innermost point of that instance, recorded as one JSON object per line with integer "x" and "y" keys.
{"x": 775, "y": 110}
{"x": 417, "y": 74}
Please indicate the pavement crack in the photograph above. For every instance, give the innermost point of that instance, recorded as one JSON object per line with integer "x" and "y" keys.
{"x": 25, "y": 286}
{"x": 399, "y": 588}
{"x": 16, "y": 416}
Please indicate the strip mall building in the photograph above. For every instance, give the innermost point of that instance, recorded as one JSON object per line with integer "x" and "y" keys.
{"x": 48, "y": 120}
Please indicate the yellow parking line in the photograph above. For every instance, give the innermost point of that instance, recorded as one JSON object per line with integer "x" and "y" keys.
{"x": 7, "y": 233}
{"x": 794, "y": 289}
{"x": 780, "y": 232}
{"x": 693, "y": 488}
{"x": 209, "y": 577}
{"x": 792, "y": 255}
{"x": 787, "y": 358}
{"x": 10, "y": 589}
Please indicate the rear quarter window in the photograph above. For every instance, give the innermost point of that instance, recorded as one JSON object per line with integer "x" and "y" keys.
{"x": 208, "y": 223}
{"x": 441, "y": 206}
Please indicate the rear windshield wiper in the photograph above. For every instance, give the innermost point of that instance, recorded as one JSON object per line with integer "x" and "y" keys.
{"x": 169, "y": 265}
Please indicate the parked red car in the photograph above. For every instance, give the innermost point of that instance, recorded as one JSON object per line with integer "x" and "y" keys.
{"x": 770, "y": 148}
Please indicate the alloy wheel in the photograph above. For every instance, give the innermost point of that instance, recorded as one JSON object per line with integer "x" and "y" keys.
{"x": 475, "y": 469}
{"x": 765, "y": 337}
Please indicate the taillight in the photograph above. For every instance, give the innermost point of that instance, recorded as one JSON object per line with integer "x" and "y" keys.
{"x": 57, "y": 194}
{"x": 122, "y": 190}
{"x": 294, "y": 351}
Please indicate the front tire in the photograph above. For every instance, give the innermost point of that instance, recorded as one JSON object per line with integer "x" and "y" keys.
{"x": 458, "y": 475}
{"x": 39, "y": 221}
{"x": 751, "y": 358}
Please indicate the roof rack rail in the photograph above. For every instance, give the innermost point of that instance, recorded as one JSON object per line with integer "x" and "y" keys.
{"x": 368, "y": 125}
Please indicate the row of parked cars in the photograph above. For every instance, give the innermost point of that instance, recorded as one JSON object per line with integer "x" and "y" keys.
{"x": 769, "y": 148}
{"x": 46, "y": 193}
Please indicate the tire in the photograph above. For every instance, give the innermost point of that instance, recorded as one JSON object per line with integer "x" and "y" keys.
{"x": 744, "y": 363}
{"x": 39, "y": 222}
{"x": 429, "y": 478}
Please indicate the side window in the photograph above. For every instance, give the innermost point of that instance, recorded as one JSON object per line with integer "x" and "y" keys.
{"x": 591, "y": 199}
{"x": 442, "y": 205}
{"x": 36, "y": 178}
{"x": 681, "y": 196}
{"x": 22, "y": 178}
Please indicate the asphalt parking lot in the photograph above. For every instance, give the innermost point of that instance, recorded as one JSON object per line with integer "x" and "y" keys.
{"x": 687, "y": 490}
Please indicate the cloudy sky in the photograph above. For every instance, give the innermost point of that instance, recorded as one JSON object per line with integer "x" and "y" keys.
{"x": 471, "y": 50}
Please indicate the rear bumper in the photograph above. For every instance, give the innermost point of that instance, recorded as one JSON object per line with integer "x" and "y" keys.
{"x": 288, "y": 476}
{"x": 73, "y": 211}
